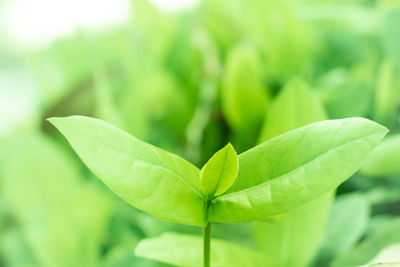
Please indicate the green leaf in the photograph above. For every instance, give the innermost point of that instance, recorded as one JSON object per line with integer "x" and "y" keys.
{"x": 346, "y": 225}
{"x": 292, "y": 238}
{"x": 105, "y": 107}
{"x": 151, "y": 179}
{"x": 62, "y": 221}
{"x": 15, "y": 252}
{"x": 244, "y": 99}
{"x": 303, "y": 164}
{"x": 43, "y": 160}
{"x": 386, "y": 94}
{"x": 123, "y": 256}
{"x": 384, "y": 160}
{"x": 219, "y": 173}
{"x": 294, "y": 107}
{"x": 369, "y": 248}
{"x": 346, "y": 93}
{"x": 390, "y": 35}
{"x": 187, "y": 250}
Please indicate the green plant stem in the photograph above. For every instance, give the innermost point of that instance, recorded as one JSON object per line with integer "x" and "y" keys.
{"x": 206, "y": 245}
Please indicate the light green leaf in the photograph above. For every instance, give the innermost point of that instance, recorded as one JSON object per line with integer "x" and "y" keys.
{"x": 294, "y": 107}
{"x": 385, "y": 159}
{"x": 123, "y": 256}
{"x": 390, "y": 33}
{"x": 105, "y": 107}
{"x": 15, "y": 252}
{"x": 151, "y": 179}
{"x": 244, "y": 99}
{"x": 304, "y": 164}
{"x": 346, "y": 225}
{"x": 62, "y": 221}
{"x": 187, "y": 250}
{"x": 369, "y": 248}
{"x": 43, "y": 160}
{"x": 292, "y": 238}
{"x": 219, "y": 173}
{"x": 386, "y": 94}
{"x": 346, "y": 93}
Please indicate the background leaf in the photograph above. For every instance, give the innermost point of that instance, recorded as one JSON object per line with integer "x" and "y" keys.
{"x": 186, "y": 250}
{"x": 69, "y": 229}
{"x": 385, "y": 159}
{"x": 370, "y": 247}
{"x": 346, "y": 225}
{"x": 244, "y": 98}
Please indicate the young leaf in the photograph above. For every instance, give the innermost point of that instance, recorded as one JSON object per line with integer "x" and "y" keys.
{"x": 303, "y": 164}
{"x": 151, "y": 179}
{"x": 186, "y": 250}
{"x": 384, "y": 160}
{"x": 219, "y": 173}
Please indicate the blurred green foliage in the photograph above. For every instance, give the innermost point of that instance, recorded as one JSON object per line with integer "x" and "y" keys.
{"x": 189, "y": 82}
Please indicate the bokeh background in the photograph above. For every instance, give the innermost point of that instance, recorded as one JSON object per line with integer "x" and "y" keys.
{"x": 190, "y": 76}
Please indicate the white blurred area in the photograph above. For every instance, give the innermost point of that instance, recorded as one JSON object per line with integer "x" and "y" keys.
{"x": 32, "y": 25}
{"x": 37, "y": 22}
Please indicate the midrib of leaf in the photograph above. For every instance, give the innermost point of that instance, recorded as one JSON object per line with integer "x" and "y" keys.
{"x": 293, "y": 170}
{"x": 140, "y": 160}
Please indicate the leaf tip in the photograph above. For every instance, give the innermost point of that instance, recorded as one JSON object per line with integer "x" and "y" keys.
{"x": 54, "y": 120}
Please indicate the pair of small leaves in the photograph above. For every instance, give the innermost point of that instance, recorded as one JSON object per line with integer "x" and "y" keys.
{"x": 274, "y": 177}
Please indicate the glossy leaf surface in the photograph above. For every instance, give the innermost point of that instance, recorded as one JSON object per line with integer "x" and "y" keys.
{"x": 303, "y": 163}
{"x": 151, "y": 179}
{"x": 219, "y": 173}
